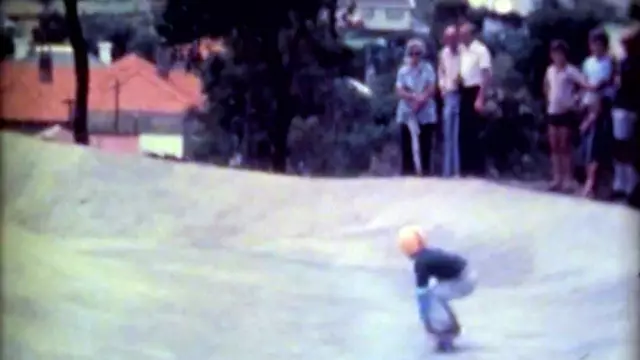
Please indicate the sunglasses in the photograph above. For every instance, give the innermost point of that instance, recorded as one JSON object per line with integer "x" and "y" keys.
{"x": 415, "y": 53}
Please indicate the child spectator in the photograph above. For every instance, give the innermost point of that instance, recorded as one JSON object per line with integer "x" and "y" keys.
{"x": 560, "y": 84}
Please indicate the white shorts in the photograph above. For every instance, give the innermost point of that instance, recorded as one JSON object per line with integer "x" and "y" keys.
{"x": 623, "y": 123}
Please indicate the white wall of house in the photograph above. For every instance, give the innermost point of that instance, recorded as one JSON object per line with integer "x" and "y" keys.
{"x": 160, "y": 144}
{"x": 386, "y": 18}
{"x": 524, "y": 7}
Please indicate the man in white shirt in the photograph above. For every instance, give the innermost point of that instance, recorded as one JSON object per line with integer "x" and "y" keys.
{"x": 475, "y": 74}
{"x": 449, "y": 85}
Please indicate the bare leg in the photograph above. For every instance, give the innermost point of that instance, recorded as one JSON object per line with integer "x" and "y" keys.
{"x": 592, "y": 164}
{"x": 556, "y": 179}
{"x": 590, "y": 183}
{"x": 564, "y": 157}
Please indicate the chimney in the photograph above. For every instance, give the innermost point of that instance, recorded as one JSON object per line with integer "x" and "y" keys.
{"x": 45, "y": 64}
{"x": 105, "y": 52}
{"x": 22, "y": 48}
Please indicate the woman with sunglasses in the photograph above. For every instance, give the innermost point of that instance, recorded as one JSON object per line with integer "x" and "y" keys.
{"x": 416, "y": 86}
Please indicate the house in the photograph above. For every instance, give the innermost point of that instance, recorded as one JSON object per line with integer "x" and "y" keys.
{"x": 525, "y": 7}
{"x": 62, "y": 54}
{"x": 129, "y": 100}
{"x": 383, "y": 15}
{"x": 30, "y": 9}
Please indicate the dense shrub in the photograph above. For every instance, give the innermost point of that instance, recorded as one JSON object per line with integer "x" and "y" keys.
{"x": 7, "y": 46}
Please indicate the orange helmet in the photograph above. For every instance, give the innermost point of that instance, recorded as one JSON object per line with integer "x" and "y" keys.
{"x": 411, "y": 239}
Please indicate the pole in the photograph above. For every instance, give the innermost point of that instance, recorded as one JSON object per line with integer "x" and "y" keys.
{"x": 117, "y": 103}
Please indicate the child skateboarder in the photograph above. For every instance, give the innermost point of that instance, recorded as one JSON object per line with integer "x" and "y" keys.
{"x": 441, "y": 276}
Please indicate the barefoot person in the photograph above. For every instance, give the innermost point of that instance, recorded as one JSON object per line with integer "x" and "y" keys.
{"x": 441, "y": 276}
{"x": 415, "y": 86}
{"x": 560, "y": 84}
{"x": 599, "y": 68}
{"x": 449, "y": 84}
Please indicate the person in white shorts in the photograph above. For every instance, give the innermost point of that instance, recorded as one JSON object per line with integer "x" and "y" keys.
{"x": 625, "y": 118}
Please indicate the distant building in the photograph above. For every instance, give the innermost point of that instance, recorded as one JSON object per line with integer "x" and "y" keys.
{"x": 30, "y": 9}
{"x": 61, "y": 54}
{"x": 524, "y": 7}
{"x": 132, "y": 106}
{"x": 384, "y": 15}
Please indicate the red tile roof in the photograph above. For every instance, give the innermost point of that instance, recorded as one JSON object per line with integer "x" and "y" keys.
{"x": 26, "y": 98}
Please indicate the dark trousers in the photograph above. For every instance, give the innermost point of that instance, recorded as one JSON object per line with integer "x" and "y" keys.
{"x": 472, "y": 153}
{"x": 426, "y": 137}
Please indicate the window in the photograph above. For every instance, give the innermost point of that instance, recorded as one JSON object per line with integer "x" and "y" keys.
{"x": 395, "y": 14}
{"x": 367, "y": 14}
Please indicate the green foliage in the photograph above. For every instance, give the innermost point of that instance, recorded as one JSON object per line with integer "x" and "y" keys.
{"x": 7, "y": 47}
{"x": 281, "y": 58}
{"x": 547, "y": 24}
{"x": 128, "y": 34}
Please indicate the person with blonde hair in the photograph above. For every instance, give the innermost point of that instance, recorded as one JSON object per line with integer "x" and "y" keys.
{"x": 441, "y": 276}
{"x": 416, "y": 111}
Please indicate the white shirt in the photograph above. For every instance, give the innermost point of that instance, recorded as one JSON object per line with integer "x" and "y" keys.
{"x": 561, "y": 88}
{"x": 448, "y": 70}
{"x": 473, "y": 60}
{"x": 598, "y": 70}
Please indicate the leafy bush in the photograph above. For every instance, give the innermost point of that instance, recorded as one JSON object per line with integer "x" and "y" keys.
{"x": 343, "y": 141}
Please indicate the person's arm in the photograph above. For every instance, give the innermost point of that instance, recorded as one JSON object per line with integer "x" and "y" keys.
{"x": 579, "y": 78}
{"x": 617, "y": 81}
{"x": 422, "y": 272}
{"x": 611, "y": 76}
{"x": 401, "y": 90}
{"x": 545, "y": 84}
{"x": 442, "y": 73}
{"x": 430, "y": 88}
{"x": 484, "y": 58}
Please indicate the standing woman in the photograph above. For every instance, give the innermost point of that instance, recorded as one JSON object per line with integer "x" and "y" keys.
{"x": 415, "y": 86}
{"x": 561, "y": 81}
{"x": 625, "y": 116}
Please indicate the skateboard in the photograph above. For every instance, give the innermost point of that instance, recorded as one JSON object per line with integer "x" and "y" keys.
{"x": 444, "y": 343}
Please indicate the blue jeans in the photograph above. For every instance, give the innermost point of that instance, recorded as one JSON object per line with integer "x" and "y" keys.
{"x": 433, "y": 301}
{"x": 451, "y": 134}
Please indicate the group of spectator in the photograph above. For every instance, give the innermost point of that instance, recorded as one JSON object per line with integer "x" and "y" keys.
{"x": 599, "y": 104}
{"x": 594, "y": 106}
{"x": 461, "y": 78}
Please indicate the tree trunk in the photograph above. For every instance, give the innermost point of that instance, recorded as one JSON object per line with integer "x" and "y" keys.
{"x": 81, "y": 60}
{"x": 285, "y": 111}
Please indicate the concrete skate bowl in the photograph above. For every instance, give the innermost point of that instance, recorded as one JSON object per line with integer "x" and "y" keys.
{"x": 108, "y": 257}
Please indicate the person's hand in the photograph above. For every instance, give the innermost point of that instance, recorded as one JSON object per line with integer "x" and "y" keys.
{"x": 478, "y": 105}
{"x": 421, "y": 98}
{"x": 584, "y": 126}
